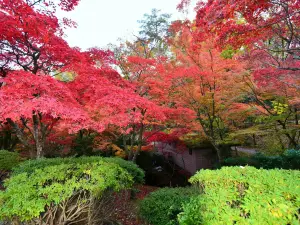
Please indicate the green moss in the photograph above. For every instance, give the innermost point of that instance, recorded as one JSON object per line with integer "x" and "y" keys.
{"x": 199, "y": 142}
{"x": 196, "y": 141}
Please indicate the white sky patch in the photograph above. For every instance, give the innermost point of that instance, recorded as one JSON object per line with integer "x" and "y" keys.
{"x": 102, "y": 22}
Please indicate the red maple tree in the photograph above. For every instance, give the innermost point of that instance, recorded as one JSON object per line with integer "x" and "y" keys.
{"x": 33, "y": 53}
{"x": 32, "y": 105}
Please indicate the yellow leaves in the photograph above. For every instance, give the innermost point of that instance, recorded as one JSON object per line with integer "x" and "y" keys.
{"x": 65, "y": 76}
{"x": 194, "y": 27}
{"x": 277, "y": 214}
{"x": 133, "y": 148}
{"x": 148, "y": 122}
{"x": 280, "y": 211}
{"x": 87, "y": 172}
{"x": 119, "y": 152}
{"x": 116, "y": 148}
{"x": 240, "y": 21}
{"x": 279, "y": 108}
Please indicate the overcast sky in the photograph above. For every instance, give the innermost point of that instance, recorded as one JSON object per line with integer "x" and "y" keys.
{"x": 102, "y": 22}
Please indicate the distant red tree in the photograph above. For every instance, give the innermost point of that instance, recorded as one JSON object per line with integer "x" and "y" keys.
{"x": 199, "y": 82}
{"x": 266, "y": 36}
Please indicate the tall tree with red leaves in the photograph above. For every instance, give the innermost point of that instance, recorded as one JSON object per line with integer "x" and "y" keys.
{"x": 32, "y": 105}
{"x": 33, "y": 53}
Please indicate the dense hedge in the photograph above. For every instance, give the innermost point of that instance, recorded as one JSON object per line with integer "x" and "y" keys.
{"x": 30, "y": 166}
{"x": 8, "y": 160}
{"x": 162, "y": 206}
{"x": 289, "y": 160}
{"x": 235, "y": 195}
{"x": 63, "y": 190}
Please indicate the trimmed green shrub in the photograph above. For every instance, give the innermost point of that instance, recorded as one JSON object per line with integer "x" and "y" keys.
{"x": 235, "y": 195}
{"x": 62, "y": 190}
{"x": 289, "y": 160}
{"x": 30, "y": 166}
{"x": 136, "y": 172}
{"x": 8, "y": 160}
{"x": 161, "y": 207}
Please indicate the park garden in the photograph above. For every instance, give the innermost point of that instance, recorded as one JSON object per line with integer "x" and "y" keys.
{"x": 109, "y": 135}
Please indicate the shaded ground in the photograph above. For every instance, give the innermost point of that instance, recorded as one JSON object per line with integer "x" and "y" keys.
{"x": 3, "y": 176}
{"x": 127, "y": 211}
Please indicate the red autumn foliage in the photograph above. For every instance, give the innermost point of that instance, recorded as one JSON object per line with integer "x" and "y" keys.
{"x": 36, "y": 104}
{"x": 33, "y": 52}
{"x": 266, "y": 29}
{"x": 233, "y": 48}
{"x": 31, "y": 37}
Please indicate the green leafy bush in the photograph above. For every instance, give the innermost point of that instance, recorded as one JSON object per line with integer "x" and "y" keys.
{"x": 31, "y": 165}
{"x": 62, "y": 190}
{"x": 161, "y": 207}
{"x": 136, "y": 172}
{"x": 289, "y": 160}
{"x": 235, "y": 195}
{"x": 8, "y": 160}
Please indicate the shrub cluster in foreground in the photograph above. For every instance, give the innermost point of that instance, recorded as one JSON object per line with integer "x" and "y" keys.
{"x": 231, "y": 195}
{"x": 162, "y": 206}
{"x": 235, "y": 195}
{"x": 30, "y": 166}
{"x": 63, "y": 191}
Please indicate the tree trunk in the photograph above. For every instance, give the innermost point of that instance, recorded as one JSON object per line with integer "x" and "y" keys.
{"x": 209, "y": 132}
{"x": 292, "y": 141}
{"x": 125, "y": 144}
{"x": 140, "y": 142}
{"x": 36, "y": 136}
{"x": 39, "y": 150}
{"x": 130, "y": 155}
{"x": 218, "y": 150}
{"x": 19, "y": 132}
{"x": 254, "y": 139}
{"x": 296, "y": 117}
